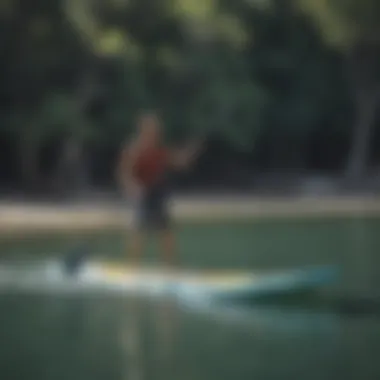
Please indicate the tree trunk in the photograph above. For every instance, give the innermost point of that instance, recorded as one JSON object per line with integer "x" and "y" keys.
{"x": 362, "y": 71}
{"x": 277, "y": 150}
{"x": 361, "y": 137}
{"x": 29, "y": 165}
{"x": 298, "y": 152}
{"x": 71, "y": 176}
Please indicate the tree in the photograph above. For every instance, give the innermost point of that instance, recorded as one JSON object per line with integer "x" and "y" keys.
{"x": 170, "y": 39}
{"x": 248, "y": 72}
{"x": 353, "y": 27}
{"x": 38, "y": 48}
{"x": 57, "y": 116}
{"x": 289, "y": 60}
{"x": 228, "y": 103}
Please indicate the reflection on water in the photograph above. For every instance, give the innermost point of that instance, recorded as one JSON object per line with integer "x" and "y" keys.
{"x": 163, "y": 318}
{"x": 360, "y": 269}
{"x": 83, "y": 337}
{"x": 132, "y": 341}
{"x": 97, "y": 338}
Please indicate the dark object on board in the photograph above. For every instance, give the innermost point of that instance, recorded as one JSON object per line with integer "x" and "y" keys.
{"x": 74, "y": 260}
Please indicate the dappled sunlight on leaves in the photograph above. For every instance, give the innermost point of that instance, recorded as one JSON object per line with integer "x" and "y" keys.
{"x": 344, "y": 22}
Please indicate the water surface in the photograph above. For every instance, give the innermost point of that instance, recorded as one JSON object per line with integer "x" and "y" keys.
{"x": 53, "y": 337}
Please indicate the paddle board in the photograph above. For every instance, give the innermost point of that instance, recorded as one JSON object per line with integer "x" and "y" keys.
{"x": 209, "y": 283}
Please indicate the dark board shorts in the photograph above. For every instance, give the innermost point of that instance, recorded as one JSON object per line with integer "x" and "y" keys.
{"x": 151, "y": 211}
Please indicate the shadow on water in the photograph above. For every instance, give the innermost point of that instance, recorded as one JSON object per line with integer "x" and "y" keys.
{"x": 314, "y": 300}
{"x": 163, "y": 340}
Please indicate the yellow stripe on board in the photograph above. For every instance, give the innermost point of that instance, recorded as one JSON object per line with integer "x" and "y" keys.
{"x": 219, "y": 279}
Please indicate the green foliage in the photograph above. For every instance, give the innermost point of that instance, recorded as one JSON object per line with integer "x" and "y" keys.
{"x": 345, "y": 22}
{"x": 353, "y": 25}
{"x": 238, "y": 70}
{"x": 230, "y": 104}
{"x": 57, "y": 115}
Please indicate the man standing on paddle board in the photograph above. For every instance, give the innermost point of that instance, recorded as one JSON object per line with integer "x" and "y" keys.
{"x": 143, "y": 171}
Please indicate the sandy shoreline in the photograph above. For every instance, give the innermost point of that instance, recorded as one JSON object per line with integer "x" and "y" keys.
{"x": 29, "y": 217}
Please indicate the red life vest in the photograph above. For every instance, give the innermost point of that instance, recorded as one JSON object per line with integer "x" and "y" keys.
{"x": 150, "y": 165}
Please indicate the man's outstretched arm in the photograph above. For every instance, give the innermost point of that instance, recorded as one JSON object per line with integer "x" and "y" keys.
{"x": 182, "y": 158}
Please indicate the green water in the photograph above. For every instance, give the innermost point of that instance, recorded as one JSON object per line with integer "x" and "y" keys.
{"x": 72, "y": 338}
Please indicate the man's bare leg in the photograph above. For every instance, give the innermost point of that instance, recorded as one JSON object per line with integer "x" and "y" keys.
{"x": 136, "y": 247}
{"x": 169, "y": 249}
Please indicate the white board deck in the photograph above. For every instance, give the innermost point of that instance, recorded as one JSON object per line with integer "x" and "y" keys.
{"x": 208, "y": 283}
{"x": 100, "y": 277}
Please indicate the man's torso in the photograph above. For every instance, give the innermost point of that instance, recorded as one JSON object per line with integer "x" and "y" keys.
{"x": 150, "y": 166}
{"x": 150, "y": 170}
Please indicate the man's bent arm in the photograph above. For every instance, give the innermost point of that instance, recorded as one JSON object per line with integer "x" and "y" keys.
{"x": 182, "y": 158}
